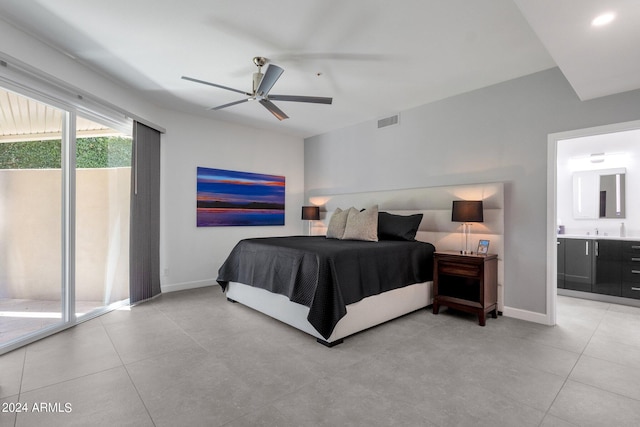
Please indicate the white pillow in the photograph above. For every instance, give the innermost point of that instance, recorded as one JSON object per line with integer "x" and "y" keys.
{"x": 337, "y": 223}
{"x": 362, "y": 225}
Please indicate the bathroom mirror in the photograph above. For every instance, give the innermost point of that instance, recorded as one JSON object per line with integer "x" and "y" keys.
{"x": 612, "y": 200}
{"x": 599, "y": 194}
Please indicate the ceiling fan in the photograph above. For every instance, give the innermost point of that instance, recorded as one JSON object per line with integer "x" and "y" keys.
{"x": 262, "y": 84}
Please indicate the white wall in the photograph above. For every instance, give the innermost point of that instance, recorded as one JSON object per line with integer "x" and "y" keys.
{"x": 190, "y": 256}
{"x": 623, "y": 151}
{"x": 495, "y": 134}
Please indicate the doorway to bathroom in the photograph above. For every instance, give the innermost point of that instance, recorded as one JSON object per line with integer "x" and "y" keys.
{"x": 593, "y": 175}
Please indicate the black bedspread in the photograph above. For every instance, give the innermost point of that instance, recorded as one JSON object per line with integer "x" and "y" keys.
{"x": 327, "y": 274}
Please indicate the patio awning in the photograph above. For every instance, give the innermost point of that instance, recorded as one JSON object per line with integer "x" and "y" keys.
{"x": 24, "y": 119}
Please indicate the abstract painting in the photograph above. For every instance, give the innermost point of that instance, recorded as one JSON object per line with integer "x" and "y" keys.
{"x": 232, "y": 198}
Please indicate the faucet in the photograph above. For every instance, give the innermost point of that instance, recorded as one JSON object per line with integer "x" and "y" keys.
{"x": 596, "y": 231}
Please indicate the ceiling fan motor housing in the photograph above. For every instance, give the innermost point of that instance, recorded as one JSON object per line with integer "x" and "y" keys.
{"x": 259, "y": 61}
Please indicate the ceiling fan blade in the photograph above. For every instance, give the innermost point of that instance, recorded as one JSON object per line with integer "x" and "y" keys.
{"x": 215, "y": 85}
{"x": 280, "y": 115}
{"x": 294, "y": 98}
{"x": 270, "y": 78}
{"x": 220, "y": 107}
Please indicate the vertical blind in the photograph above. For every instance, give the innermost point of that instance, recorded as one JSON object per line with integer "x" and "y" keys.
{"x": 144, "y": 243}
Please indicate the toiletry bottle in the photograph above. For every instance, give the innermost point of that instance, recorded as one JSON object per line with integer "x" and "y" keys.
{"x": 622, "y": 230}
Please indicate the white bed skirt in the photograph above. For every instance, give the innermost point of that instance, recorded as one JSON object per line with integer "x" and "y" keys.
{"x": 370, "y": 311}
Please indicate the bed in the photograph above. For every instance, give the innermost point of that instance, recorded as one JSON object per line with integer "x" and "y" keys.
{"x": 335, "y": 285}
{"x": 435, "y": 227}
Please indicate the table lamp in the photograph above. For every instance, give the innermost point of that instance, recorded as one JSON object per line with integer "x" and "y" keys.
{"x": 310, "y": 213}
{"x": 467, "y": 212}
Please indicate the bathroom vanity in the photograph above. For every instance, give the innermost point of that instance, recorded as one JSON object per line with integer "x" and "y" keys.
{"x": 599, "y": 265}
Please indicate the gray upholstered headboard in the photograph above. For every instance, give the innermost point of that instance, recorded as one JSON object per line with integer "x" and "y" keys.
{"x": 435, "y": 205}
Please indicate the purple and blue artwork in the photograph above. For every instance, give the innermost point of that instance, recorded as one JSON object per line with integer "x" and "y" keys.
{"x": 232, "y": 198}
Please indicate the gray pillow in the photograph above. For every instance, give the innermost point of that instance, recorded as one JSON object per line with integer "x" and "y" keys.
{"x": 362, "y": 225}
{"x": 337, "y": 223}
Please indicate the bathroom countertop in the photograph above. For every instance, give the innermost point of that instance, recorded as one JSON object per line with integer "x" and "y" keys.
{"x": 597, "y": 236}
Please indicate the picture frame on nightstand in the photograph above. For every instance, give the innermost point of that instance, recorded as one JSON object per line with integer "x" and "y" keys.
{"x": 483, "y": 247}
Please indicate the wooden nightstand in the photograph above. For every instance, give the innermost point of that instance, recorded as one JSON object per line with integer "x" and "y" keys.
{"x": 466, "y": 282}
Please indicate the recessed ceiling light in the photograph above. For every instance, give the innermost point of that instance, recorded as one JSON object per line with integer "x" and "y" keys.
{"x": 603, "y": 19}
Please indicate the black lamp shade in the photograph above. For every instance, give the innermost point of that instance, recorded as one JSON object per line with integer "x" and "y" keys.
{"x": 311, "y": 213}
{"x": 467, "y": 211}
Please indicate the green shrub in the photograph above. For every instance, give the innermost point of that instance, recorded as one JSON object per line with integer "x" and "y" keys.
{"x": 98, "y": 152}
{"x": 103, "y": 152}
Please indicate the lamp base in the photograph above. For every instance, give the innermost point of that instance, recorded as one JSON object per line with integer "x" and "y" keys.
{"x": 466, "y": 233}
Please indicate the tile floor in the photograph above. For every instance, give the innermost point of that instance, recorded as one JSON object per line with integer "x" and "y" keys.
{"x": 192, "y": 359}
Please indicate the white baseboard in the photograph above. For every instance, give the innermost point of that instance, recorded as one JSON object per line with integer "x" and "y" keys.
{"x": 529, "y": 316}
{"x": 174, "y": 287}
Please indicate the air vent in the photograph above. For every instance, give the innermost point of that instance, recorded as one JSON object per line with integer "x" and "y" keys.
{"x": 388, "y": 121}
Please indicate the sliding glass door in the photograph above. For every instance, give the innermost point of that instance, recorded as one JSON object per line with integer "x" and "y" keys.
{"x": 64, "y": 218}
{"x": 103, "y": 182}
{"x": 31, "y": 188}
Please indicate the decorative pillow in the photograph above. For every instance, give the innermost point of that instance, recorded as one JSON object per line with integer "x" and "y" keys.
{"x": 337, "y": 223}
{"x": 398, "y": 227}
{"x": 362, "y": 225}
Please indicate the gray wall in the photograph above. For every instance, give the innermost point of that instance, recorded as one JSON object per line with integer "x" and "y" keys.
{"x": 498, "y": 133}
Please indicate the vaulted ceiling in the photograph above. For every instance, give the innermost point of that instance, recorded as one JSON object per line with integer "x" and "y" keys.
{"x": 374, "y": 57}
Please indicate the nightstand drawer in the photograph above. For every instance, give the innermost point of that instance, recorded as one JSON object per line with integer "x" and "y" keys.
{"x": 465, "y": 270}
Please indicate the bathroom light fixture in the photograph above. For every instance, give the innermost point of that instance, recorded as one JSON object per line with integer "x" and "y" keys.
{"x": 584, "y": 162}
{"x": 603, "y": 19}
